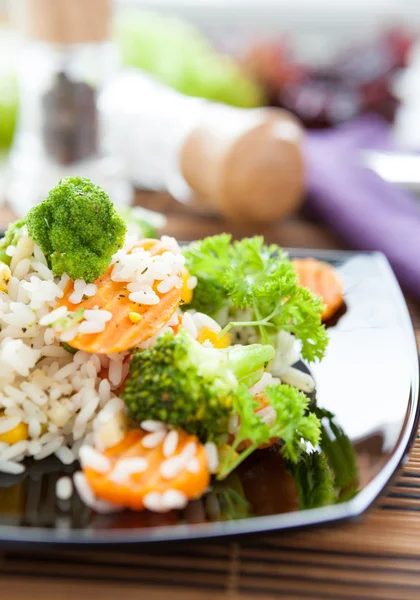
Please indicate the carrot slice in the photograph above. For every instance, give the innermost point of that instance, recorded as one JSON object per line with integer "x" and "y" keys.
{"x": 130, "y": 492}
{"x": 123, "y": 331}
{"x": 322, "y": 279}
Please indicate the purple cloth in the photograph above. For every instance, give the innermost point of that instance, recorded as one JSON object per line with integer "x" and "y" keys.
{"x": 366, "y": 211}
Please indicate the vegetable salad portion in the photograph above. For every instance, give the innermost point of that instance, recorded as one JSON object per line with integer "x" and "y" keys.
{"x": 159, "y": 368}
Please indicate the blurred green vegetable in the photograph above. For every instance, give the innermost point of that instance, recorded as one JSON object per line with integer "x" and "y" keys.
{"x": 8, "y": 107}
{"x": 177, "y": 54}
{"x": 226, "y": 500}
{"x": 314, "y": 480}
{"x": 141, "y": 222}
{"x": 340, "y": 454}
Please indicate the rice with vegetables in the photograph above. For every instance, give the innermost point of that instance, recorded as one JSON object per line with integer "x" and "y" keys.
{"x": 156, "y": 368}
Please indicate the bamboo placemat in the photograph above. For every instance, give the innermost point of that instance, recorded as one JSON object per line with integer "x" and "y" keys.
{"x": 378, "y": 557}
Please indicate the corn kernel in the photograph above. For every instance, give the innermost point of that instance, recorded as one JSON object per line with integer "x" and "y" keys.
{"x": 19, "y": 433}
{"x": 113, "y": 431}
{"x": 5, "y": 275}
{"x": 218, "y": 342}
{"x": 135, "y": 317}
{"x": 186, "y": 293}
{"x": 227, "y": 450}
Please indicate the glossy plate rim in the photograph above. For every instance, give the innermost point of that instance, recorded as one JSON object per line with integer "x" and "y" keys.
{"x": 316, "y": 517}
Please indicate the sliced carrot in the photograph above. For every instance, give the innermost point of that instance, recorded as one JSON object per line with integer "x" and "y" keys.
{"x": 322, "y": 279}
{"x": 131, "y": 491}
{"x": 123, "y": 331}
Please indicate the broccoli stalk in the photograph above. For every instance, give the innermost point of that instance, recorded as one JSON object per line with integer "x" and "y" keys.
{"x": 11, "y": 238}
{"x": 184, "y": 384}
{"x": 77, "y": 228}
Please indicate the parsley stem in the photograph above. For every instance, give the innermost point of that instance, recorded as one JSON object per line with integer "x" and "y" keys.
{"x": 262, "y": 329}
{"x": 228, "y": 468}
{"x": 233, "y": 324}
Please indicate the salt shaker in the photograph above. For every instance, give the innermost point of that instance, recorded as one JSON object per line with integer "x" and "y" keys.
{"x": 66, "y": 61}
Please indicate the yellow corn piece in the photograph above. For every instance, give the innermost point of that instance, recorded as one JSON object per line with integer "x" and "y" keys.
{"x": 112, "y": 432}
{"x": 186, "y": 293}
{"x": 135, "y": 317}
{"x": 218, "y": 342}
{"x": 226, "y": 450}
{"x": 19, "y": 433}
{"x": 5, "y": 275}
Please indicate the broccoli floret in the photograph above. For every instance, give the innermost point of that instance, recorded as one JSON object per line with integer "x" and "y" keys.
{"x": 77, "y": 228}
{"x": 182, "y": 383}
{"x": 11, "y": 238}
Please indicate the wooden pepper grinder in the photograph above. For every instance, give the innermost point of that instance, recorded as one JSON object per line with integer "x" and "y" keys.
{"x": 246, "y": 164}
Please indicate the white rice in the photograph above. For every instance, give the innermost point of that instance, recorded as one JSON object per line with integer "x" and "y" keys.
{"x": 193, "y": 466}
{"x": 201, "y": 320}
{"x": 127, "y": 467}
{"x": 64, "y": 488}
{"x": 192, "y": 282}
{"x": 50, "y": 447}
{"x": 152, "y": 440}
{"x": 153, "y": 501}
{"x": 212, "y": 456}
{"x": 170, "y": 444}
{"x": 91, "y": 327}
{"x": 83, "y": 489}
{"x": 88, "y": 497}
{"x": 174, "y": 499}
{"x": 8, "y": 424}
{"x": 8, "y": 466}
{"x": 267, "y": 415}
{"x": 150, "y": 425}
{"x": 266, "y": 379}
{"x": 169, "y": 500}
{"x": 172, "y": 466}
{"x": 189, "y": 325}
{"x": 297, "y": 378}
{"x": 168, "y": 284}
{"x": 65, "y": 455}
{"x": 58, "y": 395}
{"x": 15, "y": 450}
{"x": 91, "y": 458}
{"x": 189, "y": 450}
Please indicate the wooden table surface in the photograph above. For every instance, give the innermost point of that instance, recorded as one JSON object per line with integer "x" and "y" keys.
{"x": 378, "y": 557}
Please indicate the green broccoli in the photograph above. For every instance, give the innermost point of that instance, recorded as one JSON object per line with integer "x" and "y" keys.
{"x": 11, "y": 238}
{"x": 77, "y": 228}
{"x": 184, "y": 384}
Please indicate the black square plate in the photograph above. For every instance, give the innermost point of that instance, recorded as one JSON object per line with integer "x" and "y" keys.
{"x": 367, "y": 394}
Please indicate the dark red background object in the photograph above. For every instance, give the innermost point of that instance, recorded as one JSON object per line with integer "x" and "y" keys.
{"x": 358, "y": 81}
